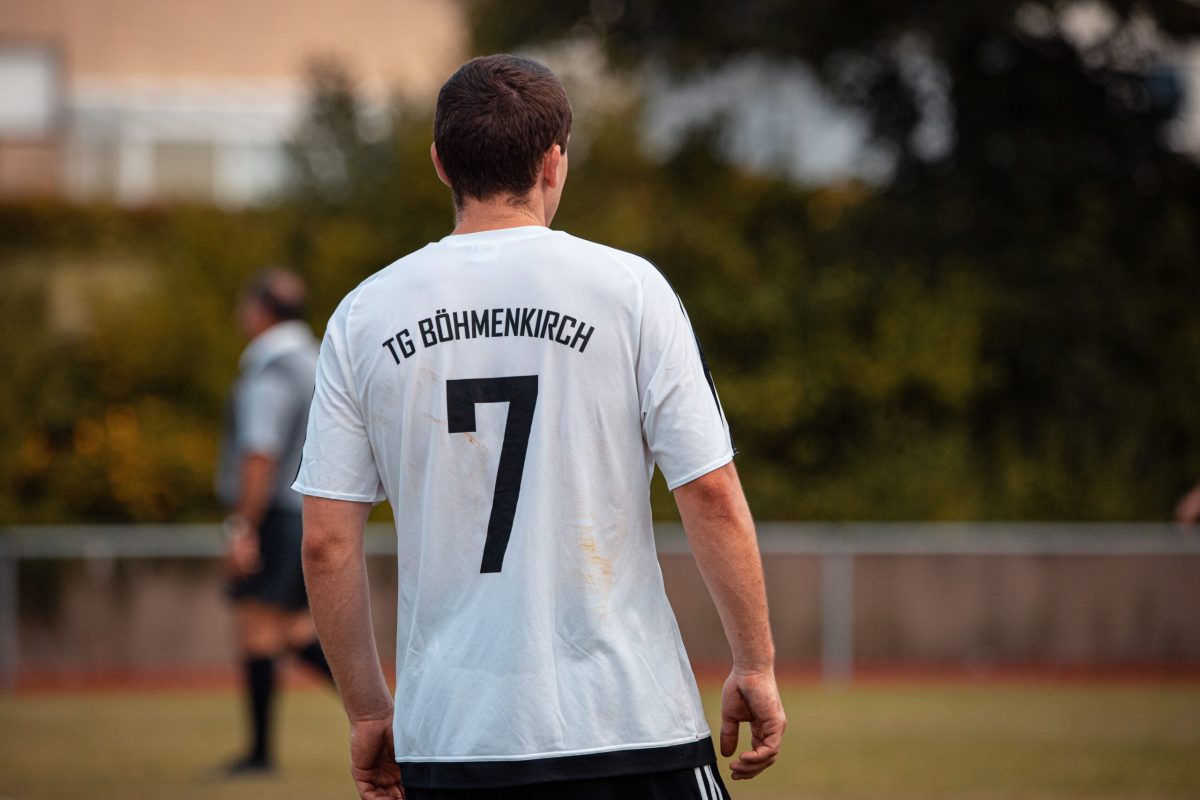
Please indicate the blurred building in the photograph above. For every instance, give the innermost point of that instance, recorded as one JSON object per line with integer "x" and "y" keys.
{"x": 141, "y": 101}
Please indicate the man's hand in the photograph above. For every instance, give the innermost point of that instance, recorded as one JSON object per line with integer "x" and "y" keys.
{"x": 373, "y": 760}
{"x": 753, "y": 698}
{"x": 1187, "y": 511}
{"x": 242, "y": 553}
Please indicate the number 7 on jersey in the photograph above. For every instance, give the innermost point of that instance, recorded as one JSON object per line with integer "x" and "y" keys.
{"x": 520, "y": 392}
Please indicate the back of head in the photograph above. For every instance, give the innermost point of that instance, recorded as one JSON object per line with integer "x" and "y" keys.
{"x": 280, "y": 292}
{"x": 496, "y": 118}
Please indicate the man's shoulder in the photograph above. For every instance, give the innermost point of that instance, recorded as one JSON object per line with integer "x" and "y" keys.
{"x": 398, "y": 269}
{"x": 613, "y": 268}
{"x": 413, "y": 265}
{"x": 638, "y": 265}
{"x": 393, "y": 271}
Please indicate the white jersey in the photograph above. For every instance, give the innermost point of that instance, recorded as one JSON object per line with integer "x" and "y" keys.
{"x": 509, "y": 392}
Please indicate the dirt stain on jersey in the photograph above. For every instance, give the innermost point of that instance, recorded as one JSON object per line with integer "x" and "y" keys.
{"x": 597, "y": 569}
{"x": 592, "y": 551}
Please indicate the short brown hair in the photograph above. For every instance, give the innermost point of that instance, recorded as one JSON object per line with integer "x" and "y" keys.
{"x": 496, "y": 118}
{"x": 280, "y": 291}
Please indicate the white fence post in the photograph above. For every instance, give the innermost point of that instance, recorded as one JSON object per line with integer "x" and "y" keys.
{"x": 837, "y": 616}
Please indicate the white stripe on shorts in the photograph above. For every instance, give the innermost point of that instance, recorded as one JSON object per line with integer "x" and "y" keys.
{"x": 700, "y": 783}
{"x": 716, "y": 791}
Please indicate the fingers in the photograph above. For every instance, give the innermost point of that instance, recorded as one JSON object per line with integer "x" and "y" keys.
{"x": 243, "y": 557}
{"x": 752, "y": 762}
{"x": 752, "y": 699}
{"x": 379, "y": 783}
{"x": 734, "y": 711}
{"x": 1188, "y": 508}
{"x": 371, "y": 791}
{"x": 372, "y": 760}
{"x": 250, "y": 560}
{"x": 742, "y": 770}
{"x": 729, "y": 736}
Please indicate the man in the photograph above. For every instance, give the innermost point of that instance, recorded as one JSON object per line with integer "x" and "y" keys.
{"x": 509, "y": 390}
{"x": 264, "y": 434}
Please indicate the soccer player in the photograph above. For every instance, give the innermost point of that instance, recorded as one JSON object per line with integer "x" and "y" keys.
{"x": 266, "y": 418}
{"x": 509, "y": 389}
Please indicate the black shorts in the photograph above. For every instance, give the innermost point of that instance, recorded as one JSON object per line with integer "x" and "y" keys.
{"x": 280, "y": 582}
{"x": 693, "y": 783}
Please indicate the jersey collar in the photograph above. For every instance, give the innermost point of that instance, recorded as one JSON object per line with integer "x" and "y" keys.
{"x": 500, "y": 234}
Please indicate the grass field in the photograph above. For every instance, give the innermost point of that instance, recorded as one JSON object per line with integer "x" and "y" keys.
{"x": 893, "y": 742}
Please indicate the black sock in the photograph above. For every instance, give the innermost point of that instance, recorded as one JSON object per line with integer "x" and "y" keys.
{"x": 314, "y": 656}
{"x": 260, "y": 684}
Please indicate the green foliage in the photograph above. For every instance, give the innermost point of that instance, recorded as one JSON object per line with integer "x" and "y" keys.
{"x": 119, "y": 336}
{"x": 1008, "y": 329}
{"x": 848, "y": 388}
{"x": 118, "y": 347}
{"x": 1006, "y": 334}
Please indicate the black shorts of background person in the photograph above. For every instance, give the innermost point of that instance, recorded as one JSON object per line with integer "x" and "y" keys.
{"x": 271, "y": 613}
{"x": 280, "y": 581}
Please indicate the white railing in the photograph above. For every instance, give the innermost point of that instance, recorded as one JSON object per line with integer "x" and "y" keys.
{"x": 836, "y": 544}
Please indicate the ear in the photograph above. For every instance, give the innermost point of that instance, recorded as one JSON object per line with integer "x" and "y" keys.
{"x": 437, "y": 165}
{"x": 551, "y": 163}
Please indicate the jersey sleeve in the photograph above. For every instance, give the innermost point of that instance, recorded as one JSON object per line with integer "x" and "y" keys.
{"x": 265, "y": 412}
{"x": 682, "y": 420}
{"x": 338, "y": 461}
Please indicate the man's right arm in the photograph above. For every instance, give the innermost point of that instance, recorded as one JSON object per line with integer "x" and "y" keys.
{"x": 720, "y": 531}
{"x": 335, "y": 574}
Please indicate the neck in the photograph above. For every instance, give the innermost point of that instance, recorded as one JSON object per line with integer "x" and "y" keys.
{"x": 495, "y": 214}
{"x": 260, "y": 329}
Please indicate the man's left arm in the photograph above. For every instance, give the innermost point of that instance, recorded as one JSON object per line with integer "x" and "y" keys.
{"x": 721, "y": 533}
{"x": 335, "y": 573}
{"x": 255, "y": 487}
{"x": 266, "y": 402}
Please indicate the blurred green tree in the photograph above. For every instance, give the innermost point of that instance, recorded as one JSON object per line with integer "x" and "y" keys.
{"x": 1005, "y": 329}
{"x": 1041, "y": 260}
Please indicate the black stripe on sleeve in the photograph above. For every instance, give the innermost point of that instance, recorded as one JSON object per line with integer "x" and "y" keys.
{"x": 712, "y": 385}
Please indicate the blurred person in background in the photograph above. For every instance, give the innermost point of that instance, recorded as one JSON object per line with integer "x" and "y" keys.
{"x": 265, "y": 422}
